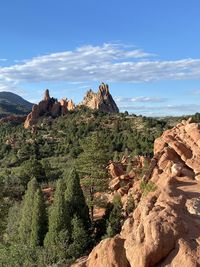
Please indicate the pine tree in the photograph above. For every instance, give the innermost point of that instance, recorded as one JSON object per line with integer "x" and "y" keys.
{"x": 32, "y": 168}
{"x": 92, "y": 167}
{"x": 57, "y": 238}
{"x": 80, "y": 239}
{"x": 115, "y": 218}
{"x": 39, "y": 220}
{"x": 75, "y": 199}
{"x": 26, "y": 213}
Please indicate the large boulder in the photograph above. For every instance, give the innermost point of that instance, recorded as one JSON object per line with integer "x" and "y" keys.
{"x": 108, "y": 253}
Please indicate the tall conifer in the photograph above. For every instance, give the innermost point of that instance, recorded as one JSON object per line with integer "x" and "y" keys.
{"x": 92, "y": 166}
{"x": 26, "y": 214}
{"x": 80, "y": 238}
{"x": 75, "y": 199}
{"x": 59, "y": 221}
{"x": 39, "y": 220}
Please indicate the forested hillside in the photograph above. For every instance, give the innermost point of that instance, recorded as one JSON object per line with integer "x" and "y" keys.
{"x": 64, "y": 155}
{"x": 13, "y": 104}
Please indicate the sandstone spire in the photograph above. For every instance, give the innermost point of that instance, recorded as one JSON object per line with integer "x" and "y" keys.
{"x": 46, "y": 95}
{"x": 102, "y": 100}
{"x": 48, "y": 107}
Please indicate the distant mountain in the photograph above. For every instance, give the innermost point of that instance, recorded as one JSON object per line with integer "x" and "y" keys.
{"x": 11, "y": 103}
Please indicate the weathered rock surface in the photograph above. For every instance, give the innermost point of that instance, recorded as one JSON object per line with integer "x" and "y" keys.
{"x": 49, "y": 106}
{"x": 102, "y": 100}
{"x": 164, "y": 229}
{"x": 109, "y": 252}
{"x": 123, "y": 181}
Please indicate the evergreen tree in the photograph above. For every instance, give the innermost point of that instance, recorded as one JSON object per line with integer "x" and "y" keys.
{"x": 80, "y": 238}
{"x": 57, "y": 239}
{"x": 39, "y": 220}
{"x": 75, "y": 199}
{"x": 26, "y": 214}
{"x": 11, "y": 234}
{"x": 92, "y": 166}
{"x": 115, "y": 218}
{"x": 32, "y": 168}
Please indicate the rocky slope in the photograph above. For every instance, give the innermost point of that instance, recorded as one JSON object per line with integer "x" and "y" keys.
{"x": 102, "y": 100}
{"x": 164, "y": 229}
{"x": 49, "y": 106}
{"x": 124, "y": 181}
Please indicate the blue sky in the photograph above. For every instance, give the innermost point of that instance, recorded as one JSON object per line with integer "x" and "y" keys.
{"x": 147, "y": 51}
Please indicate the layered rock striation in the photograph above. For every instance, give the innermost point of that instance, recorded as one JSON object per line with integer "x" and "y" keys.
{"x": 49, "y": 106}
{"x": 102, "y": 100}
{"x": 164, "y": 229}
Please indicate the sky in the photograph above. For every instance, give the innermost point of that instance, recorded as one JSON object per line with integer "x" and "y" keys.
{"x": 148, "y": 51}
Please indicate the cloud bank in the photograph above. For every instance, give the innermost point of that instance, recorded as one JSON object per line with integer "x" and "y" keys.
{"x": 109, "y": 62}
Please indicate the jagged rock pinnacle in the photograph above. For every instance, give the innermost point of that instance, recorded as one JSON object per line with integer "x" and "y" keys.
{"x": 48, "y": 107}
{"x": 46, "y": 94}
{"x": 102, "y": 100}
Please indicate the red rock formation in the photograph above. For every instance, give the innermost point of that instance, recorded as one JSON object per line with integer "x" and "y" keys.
{"x": 111, "y": 252}
{"x": 121, "y": 180}
{"x": 48, "y": 107}
{"x": 66, "y": 105}
{"x": 164, "y": 229}
{"x": 46, "y": 95}
{"x": 115, "y": 169}
{"x": 102, "y": 100}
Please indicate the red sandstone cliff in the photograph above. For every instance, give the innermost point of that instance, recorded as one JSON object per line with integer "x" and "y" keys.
{"x": 164, "y": 229}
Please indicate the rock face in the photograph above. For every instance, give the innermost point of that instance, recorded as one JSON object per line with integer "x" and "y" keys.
{"x": 102, "y": 100}
{"x": 164, "y": 229}
{"x": 124, "y": 175}
{"x": 49, "y": 106}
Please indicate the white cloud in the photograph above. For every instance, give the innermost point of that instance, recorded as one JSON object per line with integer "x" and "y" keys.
{"x": 162, "y": 110}
{"x": 140, "y": 99}
{"x": 109, "y": 62}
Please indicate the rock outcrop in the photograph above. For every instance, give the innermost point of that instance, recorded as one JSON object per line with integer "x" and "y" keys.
{"x": 164, "y": 229}
{"x": 125, "y": 174}
{"x": 102, "y": 100}
{"x": 49, "y": 106}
